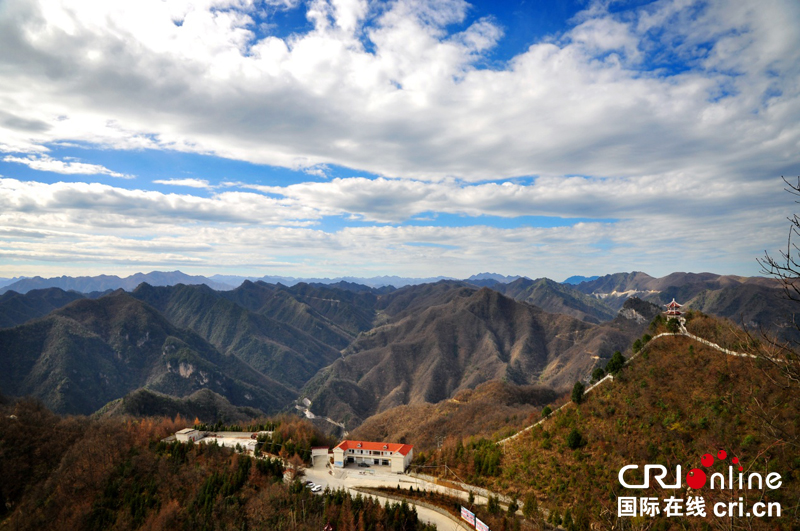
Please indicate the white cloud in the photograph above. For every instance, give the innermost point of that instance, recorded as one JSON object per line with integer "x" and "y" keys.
{"x": 415, "y": 105}
{"x": 102, "y": 205}
{"x": 658, "y": 245}
{"x": 397, "y": 200}
{"x": 105, "y": 229}
{"x": 676, "y": 117}
{"x": 45, "y": 163}
{"x": 191, "y": 183}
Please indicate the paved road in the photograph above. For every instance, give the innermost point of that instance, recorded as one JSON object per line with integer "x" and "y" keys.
{"x": 376, "y": 477}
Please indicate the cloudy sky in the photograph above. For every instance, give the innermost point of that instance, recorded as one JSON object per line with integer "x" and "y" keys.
{"x": 410, "y": 137}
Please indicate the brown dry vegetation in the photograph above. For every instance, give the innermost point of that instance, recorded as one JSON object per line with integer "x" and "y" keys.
{"x": 677, "y": 401}
{"x": 493, "y": 409}
{"x": 78, "y": 473}
{"x": 429, "y": 355}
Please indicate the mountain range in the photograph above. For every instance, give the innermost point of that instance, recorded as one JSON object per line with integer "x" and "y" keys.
{"x": 353, "y": 350}
{"x": 109, "y": 282}
{"x": 463, "y": 337}
{"x": 102, "y": 283}
{"x": 82, "y": 356}
{"x": 672, "y": 404}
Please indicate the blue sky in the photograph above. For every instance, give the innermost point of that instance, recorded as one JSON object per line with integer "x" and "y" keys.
{"x": 412, "y": 137}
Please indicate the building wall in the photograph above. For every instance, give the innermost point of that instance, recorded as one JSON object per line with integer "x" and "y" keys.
{"x": 397, "y": 464}
{"x": 338, "y": 457}
{"x": 188, "y": 437}
{"x": 400, "y": 462}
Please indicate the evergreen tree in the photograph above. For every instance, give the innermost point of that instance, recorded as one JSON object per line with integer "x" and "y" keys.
{"x": 577, "y": 392}
{"x": 616, "y": 363}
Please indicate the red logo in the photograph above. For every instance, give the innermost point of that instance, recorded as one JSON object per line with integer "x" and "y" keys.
{"x": 696, "y": 477}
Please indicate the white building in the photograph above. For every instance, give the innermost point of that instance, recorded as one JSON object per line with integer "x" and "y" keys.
{"x": 189, "y": 435}
{"x": 231, "y": 439}
{"x": 398, "y": 456}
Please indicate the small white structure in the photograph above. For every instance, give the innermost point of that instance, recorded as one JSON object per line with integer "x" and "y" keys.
{"x": 245, "y": 440}
{"x": 231, "y": 439}
{"x": 319, "y": 453}
{"x": 189, "y": 435}
{"x": 396, "y": 455}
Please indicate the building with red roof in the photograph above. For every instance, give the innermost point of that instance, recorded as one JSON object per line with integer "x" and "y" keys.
{"x": 396, "y": 455}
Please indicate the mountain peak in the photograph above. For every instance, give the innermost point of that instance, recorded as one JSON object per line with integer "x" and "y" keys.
{"x": 494, "y": 276}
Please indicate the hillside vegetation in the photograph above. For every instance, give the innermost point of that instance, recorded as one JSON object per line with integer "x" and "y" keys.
{"x": 491, "y": 407}
{"x": 114, "y": 474}
{"x": 678, "y": 400}
{"x": 204, "y": 404}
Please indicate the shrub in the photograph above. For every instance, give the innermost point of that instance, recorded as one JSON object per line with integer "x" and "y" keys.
{"x": 658, "y": 320}
{"x": 575, "y": 440}
{"x": 598, "y": 374}
{"x": 493, "y": 505}
{"x": 577, "y": 392}
{"x": 513, "y": 507}
{"x": 531, "y": 507}
{"x": 616, "y": 363}
{"x": 546, "y": 412}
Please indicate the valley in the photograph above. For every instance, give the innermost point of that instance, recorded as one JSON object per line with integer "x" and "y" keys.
{"x": 355, "y": 351}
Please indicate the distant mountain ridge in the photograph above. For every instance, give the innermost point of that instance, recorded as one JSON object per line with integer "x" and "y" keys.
{"x": 7, "y": 281}
{"x": 110, "y": 282}
{"x": 554, "y": 297}
{"x": 101, "y": 283}
{"x": 577, "y": 279}
{"x": 505, "y": 279}
{"x": 372, "y": 282}
{"x": 757, "y": 303}
{"x": 17, "y": 308}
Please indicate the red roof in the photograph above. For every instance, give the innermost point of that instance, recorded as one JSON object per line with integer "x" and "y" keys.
{"x": 674, "y": 304}
{"x": 402, "y": 449}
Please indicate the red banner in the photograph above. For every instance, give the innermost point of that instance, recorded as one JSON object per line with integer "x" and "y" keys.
{"x": 468, "y": 515}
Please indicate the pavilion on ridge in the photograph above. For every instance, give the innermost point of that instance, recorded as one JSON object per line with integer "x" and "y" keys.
{"x": 674, "y": 309}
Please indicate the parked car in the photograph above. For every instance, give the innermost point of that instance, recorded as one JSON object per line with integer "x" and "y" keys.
{"x": 365, "y": 465}
{"x": 316, "y": 488}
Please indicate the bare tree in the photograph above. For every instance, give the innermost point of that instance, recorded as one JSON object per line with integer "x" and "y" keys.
{"x": 785, "y": 268}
